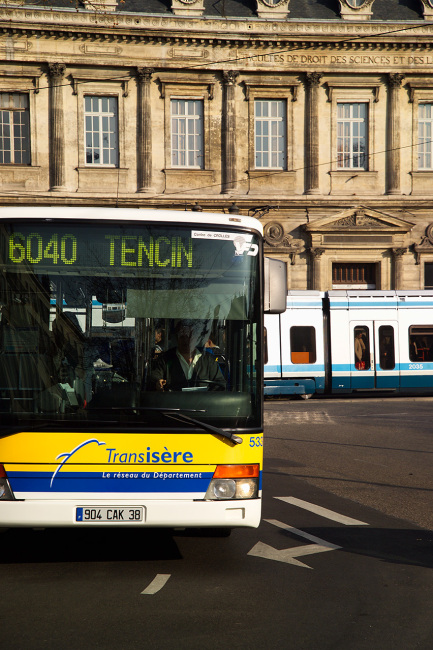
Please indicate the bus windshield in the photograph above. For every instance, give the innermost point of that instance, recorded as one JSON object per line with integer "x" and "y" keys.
{"x": 124, "y": 324}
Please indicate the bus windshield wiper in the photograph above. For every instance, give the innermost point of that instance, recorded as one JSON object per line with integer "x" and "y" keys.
{"x": 175, "y": 414}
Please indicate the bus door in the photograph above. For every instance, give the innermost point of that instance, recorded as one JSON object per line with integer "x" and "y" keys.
{"x": 374, "y": 355}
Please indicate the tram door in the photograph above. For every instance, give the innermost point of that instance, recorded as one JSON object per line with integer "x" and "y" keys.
{"x": 374, "y": 355}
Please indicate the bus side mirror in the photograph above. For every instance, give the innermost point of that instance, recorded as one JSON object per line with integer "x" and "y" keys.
{"x": 275, "y": 286}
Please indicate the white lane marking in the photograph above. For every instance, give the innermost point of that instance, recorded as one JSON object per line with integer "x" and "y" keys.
{"x": 156, "y": 584}
{"x": 289, "y": 555}
{"x": 301, "y": 533}
{"x": 323, "y": 512}
{"x": 274, "y": 418}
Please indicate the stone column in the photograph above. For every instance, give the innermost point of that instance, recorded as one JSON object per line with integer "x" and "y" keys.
{"x": 144, "y": 130}
{"x": 398, "y": 267}
{"x": 56, "y": 72}
{"x": 312, "y": 133}
{"x": 316, "y": 254}
{"x": 393, "y": 142}
{"x": 229, "y": 174}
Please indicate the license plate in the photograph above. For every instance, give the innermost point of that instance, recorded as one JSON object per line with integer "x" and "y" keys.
{"x": 94, "y": 514}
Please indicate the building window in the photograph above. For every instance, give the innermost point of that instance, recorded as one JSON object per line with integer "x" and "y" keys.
{"x": 101, "y": 130}
{"x": 353, "y": 275}
{"x": 187, "y": 133}
{"x": 270, "y": 133}
{"x": 428, "y": 275}
{"x": 425, "y": 121}
{"x": 302, "y": 344}
{"x": 352, "y": 136}
{"x": 14, "y": 129}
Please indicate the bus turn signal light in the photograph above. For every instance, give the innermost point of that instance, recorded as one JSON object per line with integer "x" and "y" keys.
{"x": 237, "y": 471}
{"x": 6, "y": 493}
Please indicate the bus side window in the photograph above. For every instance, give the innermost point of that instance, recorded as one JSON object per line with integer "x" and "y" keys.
{"x": 302, "y": 344}
{"x": 386, "y": 347}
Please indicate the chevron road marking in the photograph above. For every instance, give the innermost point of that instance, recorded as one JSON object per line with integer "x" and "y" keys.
{"x": 290, "y": 555}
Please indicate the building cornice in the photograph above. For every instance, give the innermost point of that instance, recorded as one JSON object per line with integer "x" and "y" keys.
{"x": 148, "y": 26}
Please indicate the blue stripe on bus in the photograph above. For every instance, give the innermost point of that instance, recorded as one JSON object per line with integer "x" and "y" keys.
{"x": 94, "y": 482}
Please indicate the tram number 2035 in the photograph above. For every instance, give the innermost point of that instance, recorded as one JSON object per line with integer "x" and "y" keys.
{"x": 416, "y": 366}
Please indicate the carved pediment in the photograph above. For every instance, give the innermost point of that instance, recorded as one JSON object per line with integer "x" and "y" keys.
{"x": 359, "y": 219}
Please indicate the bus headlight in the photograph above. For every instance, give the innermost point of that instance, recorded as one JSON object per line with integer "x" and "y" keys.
{"x": 223, "y": 489}
{"x": 234, "y": 482}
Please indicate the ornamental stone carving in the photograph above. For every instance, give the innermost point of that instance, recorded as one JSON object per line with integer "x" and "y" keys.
{"x": 359, "y": 220}
{"x": 273, "y": 9}
{"x": 427, "y": 9}
{"x": 356, "y": 9}
{"x": 229, "y": 77}
{"x": 395, "y": 80}
{"x": 282, "y": 242}
{"x": 426, "y": 244}
{"x": 56, "y": 71}
{"x": 187, "y": 7}
{"x": 313, "y": 78}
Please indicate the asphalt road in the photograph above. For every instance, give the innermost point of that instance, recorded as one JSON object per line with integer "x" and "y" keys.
{"x": 341, "y": 560}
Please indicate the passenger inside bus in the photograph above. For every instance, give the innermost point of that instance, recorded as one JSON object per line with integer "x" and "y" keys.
{"x": 186, "y": 366}
{"x": 216, "y": 351}
{"x": 158, "y": 348}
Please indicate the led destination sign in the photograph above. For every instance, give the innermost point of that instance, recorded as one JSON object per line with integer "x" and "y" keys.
{"x": 96, "y": 248}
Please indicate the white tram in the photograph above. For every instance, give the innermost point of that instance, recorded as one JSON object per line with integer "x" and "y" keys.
{"x": 348, "y": 341}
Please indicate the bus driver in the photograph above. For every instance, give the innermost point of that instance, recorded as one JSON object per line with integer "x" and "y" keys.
{"x": 185, "y": 366}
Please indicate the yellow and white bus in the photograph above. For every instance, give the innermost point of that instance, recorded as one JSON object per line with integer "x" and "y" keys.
{"x": 106, "y": 417}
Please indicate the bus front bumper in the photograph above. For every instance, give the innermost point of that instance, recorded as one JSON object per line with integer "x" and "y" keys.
{"x": 156, "y": 514}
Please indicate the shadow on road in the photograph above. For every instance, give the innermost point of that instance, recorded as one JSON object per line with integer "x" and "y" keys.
{"x": 87, "y": 545}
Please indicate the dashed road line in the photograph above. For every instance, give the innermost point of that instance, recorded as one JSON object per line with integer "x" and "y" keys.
{"x": 323, "y": 512}
{"x": 157, "y": 584}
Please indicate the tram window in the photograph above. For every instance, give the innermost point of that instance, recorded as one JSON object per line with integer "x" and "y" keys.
{"x": 302, "y": 344}
{"x": 265, "y": 346}
{"x": 421, "y": 343}
{"x": 361, "y": 338}
{"x": 386, "y": 347}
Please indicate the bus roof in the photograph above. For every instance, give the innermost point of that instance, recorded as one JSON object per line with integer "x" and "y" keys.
{"x": 216, "y": 219}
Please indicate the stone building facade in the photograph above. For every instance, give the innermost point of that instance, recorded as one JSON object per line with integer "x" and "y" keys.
{"x": 317, "y": 118}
